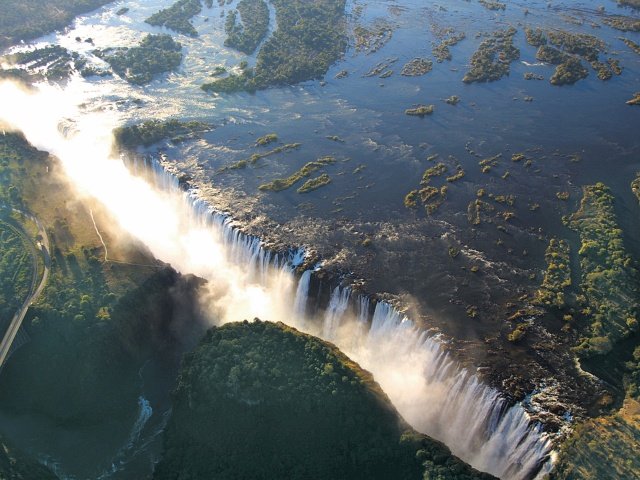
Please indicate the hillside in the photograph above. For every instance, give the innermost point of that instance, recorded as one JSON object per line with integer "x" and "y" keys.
{"x": 259, "y": 400}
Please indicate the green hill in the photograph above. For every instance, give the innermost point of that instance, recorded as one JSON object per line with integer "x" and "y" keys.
{"x": 259, "y": 400}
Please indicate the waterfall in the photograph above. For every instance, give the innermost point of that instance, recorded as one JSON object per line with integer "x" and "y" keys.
{"x": 335, "y": 313}
{"x": 429, "y": 389}
{"x": 302, "y": 295}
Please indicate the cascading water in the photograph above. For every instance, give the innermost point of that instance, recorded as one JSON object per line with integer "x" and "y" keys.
{"x": 427, "y": 387}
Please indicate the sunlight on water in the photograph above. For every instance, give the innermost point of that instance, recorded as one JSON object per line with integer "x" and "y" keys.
{"x": 246, "y": 281}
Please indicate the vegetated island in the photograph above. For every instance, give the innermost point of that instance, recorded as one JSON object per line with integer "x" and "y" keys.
{"x": 20, "y": 20}
{"x": 491, "y": 60}
{"x": 609, "y": 279}
{"x": 310, "y": 37}
{"x": 246, "y": 36}
{"x": 280, "y": 184}
{"x": 178, "y": 17}
{"x": 261, "y": 400}
{"x": 152, "y": 131}
{"x": 53, "y": 62}
{"x": 156, "y": 54}
{"x": 565, "y": 50}
{"x": 257, "y": 156}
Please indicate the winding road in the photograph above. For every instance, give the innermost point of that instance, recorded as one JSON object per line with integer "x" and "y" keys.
{"x": 35, "y": 291}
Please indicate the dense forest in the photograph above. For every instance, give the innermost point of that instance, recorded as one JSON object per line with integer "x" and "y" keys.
{"x": 96, "y": 322}
{"x": 156, "y": 54}
{"x": 177, "y": 17}
{"x": 16, "y": 269}
{"x": 246, "y": 36}
{"x": 310, "y": 37}
{"x": 259, "y": 400}
{"x": 152, "y": 131}
{"x": 20, "y": 20}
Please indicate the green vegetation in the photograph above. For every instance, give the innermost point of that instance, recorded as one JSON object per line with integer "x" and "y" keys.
{"x": 567, "y": 48}
{"x": 557, "y": 277}
{"x": 382, "y": 69}
{"x": 519, "y": 332}
{"x": 604, "y": 447}
{"x": 266, "y": 139}
{"x": 242, "y": 82}
{"x": 255, "y": 25}
{"x": 156, "y": 54}
{"x": 280, "y": 184}
{"x": 435, "y": 171}
{"x": 372, "y": 39}
{"x": 56, "y": 62}
{"x": 635, "y": 184}
{"x": 486, "y": 164}
{"x": 625, "y": 24}
{"x": 253, "y": 390}
{"x": 178, "y": 17}
{"x": 452, "y": 100}
{"x": 420, "y": 110}
{"x": 492, "y": 59}
{"x": 152, "y": 131}
{"x": 632, "y": 45}
{"x": 315, "y": 183}
{"x": 88, "y": 337}
{"x": 475, "y": 209}
{"x": 535, "y": 38}
{"x": 441, "y": 51}
{"x": 569, "y": 72}
{"x": 310, "y": 37}
{"x": 460, "y": 173}
{"x": 257, "y": 156}
{"x": 16, "y": 267}
{"x": 417, "y": 67}
{"x": 431, "y": 197}
{"x": 20, "y": 20}
{"x": 580, "y": 44}
{"x": 14, "y": 465}
{"x": 635, "y": 100}
{"x": 490, "y": 5}
{"x": 532, "y": 76}
{"x": 609, "y": 279}
{"x": 219, "y": 70}
{"x": 551, "y": 55}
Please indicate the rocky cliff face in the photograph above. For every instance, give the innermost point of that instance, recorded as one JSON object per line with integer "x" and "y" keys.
{"x": 14, "y": 465}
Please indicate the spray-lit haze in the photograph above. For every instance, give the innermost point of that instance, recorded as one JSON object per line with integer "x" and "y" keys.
{"x": 431, "y": 392}
{"x": 51, "y": 121}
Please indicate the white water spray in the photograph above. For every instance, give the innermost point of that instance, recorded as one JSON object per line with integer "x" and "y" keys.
{"x": 431, "y": 392}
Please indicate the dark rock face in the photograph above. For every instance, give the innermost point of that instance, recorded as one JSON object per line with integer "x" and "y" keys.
{"x": 261, "y": 400}
{"x": 14, "y": 465}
